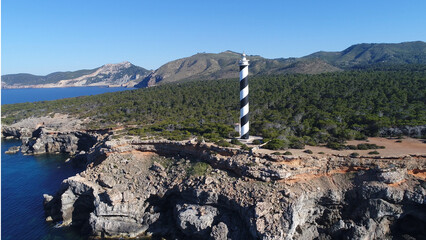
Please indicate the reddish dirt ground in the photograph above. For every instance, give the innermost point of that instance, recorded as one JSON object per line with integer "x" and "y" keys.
{"x": 407, "y": 146}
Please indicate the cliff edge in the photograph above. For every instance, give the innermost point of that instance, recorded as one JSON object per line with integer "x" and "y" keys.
{"x": 193, "y": 190}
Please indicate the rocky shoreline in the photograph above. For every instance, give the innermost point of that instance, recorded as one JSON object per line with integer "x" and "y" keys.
{"x": 178, "y": 190}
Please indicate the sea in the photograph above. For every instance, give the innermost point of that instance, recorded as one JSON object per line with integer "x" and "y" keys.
{"x": 25, "y": 178}
{"x": 9, "y": 96}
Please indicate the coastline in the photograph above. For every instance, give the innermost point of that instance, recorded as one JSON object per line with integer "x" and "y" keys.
{"x": 209, "y": 191}
{"x": 65, "y": 86}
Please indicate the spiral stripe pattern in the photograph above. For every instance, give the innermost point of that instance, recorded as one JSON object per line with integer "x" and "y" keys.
{"x": 244, "y": 99}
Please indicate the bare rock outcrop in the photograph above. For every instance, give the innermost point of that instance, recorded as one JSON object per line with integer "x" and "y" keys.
{"x": 45, "y": 140}
{"x": 13, "y": 150}
{"x": 195, "y": 219}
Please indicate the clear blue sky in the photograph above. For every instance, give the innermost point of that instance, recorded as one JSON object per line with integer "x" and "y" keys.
{"x": 45, "y": 36}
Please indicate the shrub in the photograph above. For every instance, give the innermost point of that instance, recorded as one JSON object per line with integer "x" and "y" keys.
{"x": 374, "y": 153}
{"x": 178, "y": 136}
{"x": 223, "y": 143}
{"x": 234, "y": 134}
{"x": 366, "y": 146}
{"x": 276, "y": 144}
{"x": 309, "y": 141}
{"x": 297, "y": 143}
{"x": 200, "y": 140}
{"x": 137, "y": 132}
{"x": 308, "y": 151}
{"x": 361, "y": 137}
{"x": 354, "y": 155}
{"x": 257, "y": 142}
{"x": 352, "y": 147}
{"x": 287, "y": 153}
{"x": 236, "y": 142}
{"x": 245, "y": 147}
{"x": 212, "y": 137}
{"x": 199, "y": 169}
{"x": 321, "y": 153}
{"x": 335, "y": 145}
{"x": 362, "y": 147}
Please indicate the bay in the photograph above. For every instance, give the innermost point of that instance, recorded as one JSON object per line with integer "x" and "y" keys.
{"x": 9, "y": 96}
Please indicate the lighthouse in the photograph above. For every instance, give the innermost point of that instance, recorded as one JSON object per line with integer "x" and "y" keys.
{"x": 244, "y": 98}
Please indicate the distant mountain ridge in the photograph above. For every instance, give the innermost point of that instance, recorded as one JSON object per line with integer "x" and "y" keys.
{"x": 121, "y": 74}
{"x": 223, "y": 65}
{"x": 207, "y": 66}
{"x": 375, "y": 53}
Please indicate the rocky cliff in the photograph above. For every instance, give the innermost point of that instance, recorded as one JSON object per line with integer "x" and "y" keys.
{"x": 55, "y": 135}
{"x": 182, "y": 190}
{"x": 179, "y": 190}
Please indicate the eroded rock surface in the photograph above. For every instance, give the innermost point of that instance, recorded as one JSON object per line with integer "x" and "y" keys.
{"x": 150, "y": 187}
{"x": 40, "y": 138}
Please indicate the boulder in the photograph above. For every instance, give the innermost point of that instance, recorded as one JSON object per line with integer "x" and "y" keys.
{"x": 156, "y": 167}
{"x": 392, "y": 176}
{"x": 13, "y": 150}
{"x": 379, "y": 208}
{"x": 219, "y": 232}
{"x": 106, "y": 180}
{"x": 195, "y": 219}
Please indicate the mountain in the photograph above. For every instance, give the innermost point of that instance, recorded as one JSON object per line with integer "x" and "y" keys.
{"x": 121, "y": 74}
{"x": 208, "y": 66}
{"x": 223, "y": 65}
{"x": 375, "y": 53}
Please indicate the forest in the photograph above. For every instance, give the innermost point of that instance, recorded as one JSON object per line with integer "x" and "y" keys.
{"x": 296, "y": 109}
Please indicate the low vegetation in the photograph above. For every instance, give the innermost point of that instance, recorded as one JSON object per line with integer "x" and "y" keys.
{"x": 199, "y": 169}
{"x": 361, "y": 146}
{"x": 236, "y": 142}
{"x": 223, "y": 143}
{"x": 374, "y": 153}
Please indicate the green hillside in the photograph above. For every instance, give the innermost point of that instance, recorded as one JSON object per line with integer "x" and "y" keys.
{"x": 208, "y": 66}
{"x": 375, "y": 53}
{"x": 318, "y": 108}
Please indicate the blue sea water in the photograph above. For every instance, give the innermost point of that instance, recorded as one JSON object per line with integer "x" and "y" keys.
{"x": 9, "y": 96}
{"x": 24, "y": 178}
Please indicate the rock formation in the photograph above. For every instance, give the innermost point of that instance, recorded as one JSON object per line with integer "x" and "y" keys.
{"x": 13, "y": 150}
{"x": 180, "y": 190}
{"x": 189, "y": 190}
{"x": 53, "y": 135}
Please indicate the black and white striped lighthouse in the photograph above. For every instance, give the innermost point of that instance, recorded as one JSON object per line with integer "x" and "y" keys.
{"x": 244, "y": 98}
